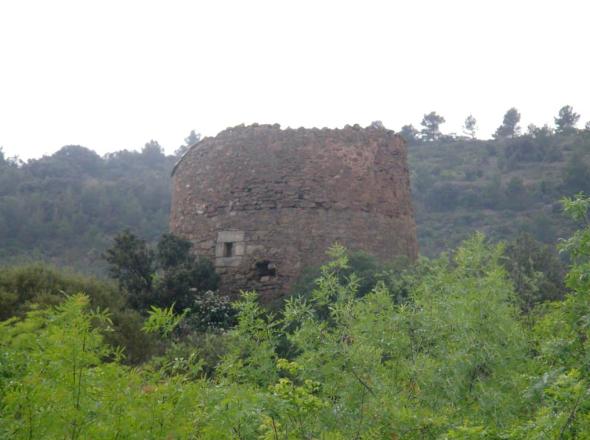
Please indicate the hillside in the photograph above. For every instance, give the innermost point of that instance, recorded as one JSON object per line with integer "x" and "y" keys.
{"x": 499, "y": 187}
{"x": 67, "y": 207}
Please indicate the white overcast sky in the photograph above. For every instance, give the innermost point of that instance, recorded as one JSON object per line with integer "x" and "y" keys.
{"x": 111, "y": 75}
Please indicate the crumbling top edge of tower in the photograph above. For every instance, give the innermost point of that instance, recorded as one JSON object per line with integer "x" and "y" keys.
{"x": 231, "y": 131}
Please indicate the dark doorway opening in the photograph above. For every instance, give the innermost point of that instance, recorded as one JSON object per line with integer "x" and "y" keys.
{"x": 265, "y": 268}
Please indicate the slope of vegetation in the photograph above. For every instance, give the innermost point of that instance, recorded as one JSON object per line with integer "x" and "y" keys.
{"x": 454, "y": 357}
{"x": 66, "y": 208}
{"x": 502, "y": 187}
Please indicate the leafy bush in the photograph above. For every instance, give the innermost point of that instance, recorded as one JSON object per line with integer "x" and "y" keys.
{"x": 535, "y": 270}
{"x": 368, "y": 271}
{"x": 523, "y": 149}
{"x": 23, "y": 288}
{"x": 443, "y": 197}
{"x": 517, "y": 196}
{"x": 211, "y": 311}
{"x": 577, "y": 174}
{"x": 169, "y": 275}
{"x": 54, "y": 382}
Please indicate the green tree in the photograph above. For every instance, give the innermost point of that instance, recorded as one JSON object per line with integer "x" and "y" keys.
{"x": 524, "y": 149}
{"x": 181, "y": 277}
{"x": 173, "y": 251}
{"x": 563, "y": 337}
{"x": 452, "y": 343}
{"x": 470, "y": 126}
{"x": 535, "y": 270}
{"x": 131, "y": 263}
{"x": 509, "y": 127}
{"x": 192, "y": 138}
{"x": 566, "y": 119}
{"x": 431, "y": 123}
{"x": 169, "y": 276}
{"x": 189, "y": 141}
{"x": 542, "y": 135}
{"x": 410, "y": 134}
{"x": 152, "y": 153}
{"x": 80, "y": 160}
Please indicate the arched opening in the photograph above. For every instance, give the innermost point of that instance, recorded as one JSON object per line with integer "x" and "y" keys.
{"x": 265, "y": 270}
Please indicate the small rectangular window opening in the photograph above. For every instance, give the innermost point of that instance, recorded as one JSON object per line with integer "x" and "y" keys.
{"x": 228, "y": 249}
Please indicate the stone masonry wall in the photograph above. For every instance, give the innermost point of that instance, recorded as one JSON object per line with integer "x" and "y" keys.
{"x": 264, "y": 203}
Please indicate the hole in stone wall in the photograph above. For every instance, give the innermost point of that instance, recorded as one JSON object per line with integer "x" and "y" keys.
{"x": 265, "y": 269}
{"x": 228, "y": 249}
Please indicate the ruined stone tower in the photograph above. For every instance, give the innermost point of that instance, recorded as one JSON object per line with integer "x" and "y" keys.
{"x": 264, "y": 203}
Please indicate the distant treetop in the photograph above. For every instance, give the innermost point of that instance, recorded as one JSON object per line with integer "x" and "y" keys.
{"x": 509, "y": 127}
{"x": 566, "y": 119}
{"x": 470, "y": 126}
{"x": 431, "y": 123}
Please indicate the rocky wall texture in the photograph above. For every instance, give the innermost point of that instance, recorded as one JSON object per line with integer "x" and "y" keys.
{"x": 264, "y": 203}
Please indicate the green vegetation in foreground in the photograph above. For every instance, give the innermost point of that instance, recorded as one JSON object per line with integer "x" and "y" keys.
{"x": 455, "y": 358}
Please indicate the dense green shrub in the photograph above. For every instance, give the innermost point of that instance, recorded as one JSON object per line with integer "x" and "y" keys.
{"x": 523, "y": 149}
{"x": 368, "y": 272}
{"x": 24, "y": 288}
{"x": 535, "y": 270}
{"x": 169, "y": 275}
{"x": 516, "y": 194}
{"x": 443, "y": 196}
{"x": 577, "y": 174}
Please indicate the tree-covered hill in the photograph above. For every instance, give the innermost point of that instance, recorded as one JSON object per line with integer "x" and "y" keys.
{"x": 66, "y": 208}
{"x": 501, "y": 187}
